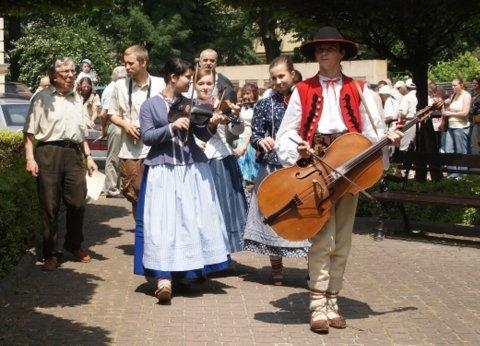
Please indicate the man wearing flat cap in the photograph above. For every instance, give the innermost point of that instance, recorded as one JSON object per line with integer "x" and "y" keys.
{"x": 321, "y": 109}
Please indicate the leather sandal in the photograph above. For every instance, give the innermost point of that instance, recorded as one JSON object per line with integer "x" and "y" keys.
{"x": 50, "y": 264}
{"x": 164, "y": 295}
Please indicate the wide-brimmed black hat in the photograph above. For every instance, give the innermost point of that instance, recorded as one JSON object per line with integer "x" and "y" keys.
{"x": 328, "y": 34}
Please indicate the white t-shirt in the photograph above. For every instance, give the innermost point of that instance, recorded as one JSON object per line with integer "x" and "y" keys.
{"x": 119, "y": 104}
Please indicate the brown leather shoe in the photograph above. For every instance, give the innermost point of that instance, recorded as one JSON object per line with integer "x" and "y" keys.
{"x": 337, "y": 322}
{"x": 319, "y": 326}
{"x": 81, "y": 256}
{"x": 164, "y": 295}
{"x": 50, "y": 264}
{"x": 276, "y": 279}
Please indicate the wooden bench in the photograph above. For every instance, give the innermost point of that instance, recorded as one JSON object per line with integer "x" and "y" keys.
{"x": 411, "y": 161}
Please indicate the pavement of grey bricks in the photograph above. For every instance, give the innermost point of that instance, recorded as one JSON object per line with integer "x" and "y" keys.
{"x": 396, "y": 292}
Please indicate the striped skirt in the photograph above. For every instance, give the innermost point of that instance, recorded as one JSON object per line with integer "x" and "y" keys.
{"x": 180, "y": 230}
{"x": 231, "y": 194}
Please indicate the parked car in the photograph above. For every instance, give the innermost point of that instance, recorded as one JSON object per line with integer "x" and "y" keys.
{"x": 13, "y": 113}
{"x": 16, "y": 89}
{"x": 98, "y": 146}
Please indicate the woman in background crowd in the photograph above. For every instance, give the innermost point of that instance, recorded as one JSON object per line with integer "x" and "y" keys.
{"x": 91, "y": 101}
{"x": 244, "y": 150}
{"x": 456, "y": 111}
{"x": 474, "y": 117}
{"x": 267, "y": 116}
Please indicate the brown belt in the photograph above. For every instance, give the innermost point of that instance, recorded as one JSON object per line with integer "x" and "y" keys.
{"x": 321, "y": 141}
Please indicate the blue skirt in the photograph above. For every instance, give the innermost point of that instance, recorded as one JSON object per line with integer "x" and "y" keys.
{"x": 180, "y": 231}
{"x": 248, "y": 163}
{"x": 231, "y": 194}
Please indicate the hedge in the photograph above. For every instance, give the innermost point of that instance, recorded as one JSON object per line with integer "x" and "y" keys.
{"x": 20, "y": 221}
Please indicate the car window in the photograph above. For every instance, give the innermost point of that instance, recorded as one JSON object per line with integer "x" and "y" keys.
{"x": 16, "y": 88}
{"x": 15, "y": 114}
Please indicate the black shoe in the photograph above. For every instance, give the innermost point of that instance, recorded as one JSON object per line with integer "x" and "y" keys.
{"x": 115, "y": 196}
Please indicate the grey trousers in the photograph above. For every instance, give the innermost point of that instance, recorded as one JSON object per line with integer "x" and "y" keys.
{"x": 112, "y": 176}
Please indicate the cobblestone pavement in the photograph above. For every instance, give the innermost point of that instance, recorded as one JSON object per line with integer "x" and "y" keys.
{"x": 402, "y": 292}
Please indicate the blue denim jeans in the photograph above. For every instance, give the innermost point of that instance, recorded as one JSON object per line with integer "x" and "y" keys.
{"x": 456, "y": 141}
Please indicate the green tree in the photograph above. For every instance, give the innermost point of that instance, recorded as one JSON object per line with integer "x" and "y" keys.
{"x": 179, "y": 27}
{"x": 412, "y": 34}
{"x": 466, "y": 66}
{"x": 61, "y": 36}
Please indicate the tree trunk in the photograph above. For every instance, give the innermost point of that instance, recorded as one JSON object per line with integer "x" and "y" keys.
{"x": 272, "y": 47}
{"x": 13, "y": 32}
{"x": 426, "y": 140}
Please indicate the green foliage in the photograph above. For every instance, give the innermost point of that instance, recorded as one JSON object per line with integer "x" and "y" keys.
{"x": 20, "y": 222}
{"x": 178, "y": 28}
{"x": 62, "y": 36}
{"x": 466, "y": 66}
{"x": 469, "y": 186}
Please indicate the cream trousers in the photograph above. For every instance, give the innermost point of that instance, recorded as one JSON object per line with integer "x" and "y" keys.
{"x": 328, "y": 254}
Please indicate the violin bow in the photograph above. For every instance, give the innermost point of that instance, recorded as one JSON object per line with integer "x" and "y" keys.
{"x": 220, "y": 100}
{"x": 195, "y": 73}
{"x": 312, "y": 152}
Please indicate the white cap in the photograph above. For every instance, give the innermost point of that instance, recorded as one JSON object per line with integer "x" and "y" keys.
{"x": 410, "y": 84}
{"x": 399, "y": 84}
{"x": 385, "y": 89}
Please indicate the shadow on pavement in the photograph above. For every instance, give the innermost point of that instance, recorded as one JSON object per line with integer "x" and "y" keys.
{"x": 432, "y": 233}
{"x": 294, "y": 309}
{"x": 27, "y": 320}
{"x": 29, "y": 315}
{"x": 292, "y": 277}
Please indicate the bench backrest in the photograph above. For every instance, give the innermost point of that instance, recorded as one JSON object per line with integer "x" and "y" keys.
{"x": 438, "y": 161}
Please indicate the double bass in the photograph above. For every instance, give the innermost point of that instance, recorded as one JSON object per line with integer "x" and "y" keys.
{"x": 296, "y": 200}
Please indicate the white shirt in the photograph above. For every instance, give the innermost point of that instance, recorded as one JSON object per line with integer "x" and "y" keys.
{"x": 119, "y": 105}
{"x": 408, "y": 105}
{"x": 106, "y": 95}
{"x": 390, "y": 108}
{"x": 331, "y": 121}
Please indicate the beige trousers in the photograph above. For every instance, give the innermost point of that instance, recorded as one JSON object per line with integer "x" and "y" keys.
{"x": 328, "y": 254}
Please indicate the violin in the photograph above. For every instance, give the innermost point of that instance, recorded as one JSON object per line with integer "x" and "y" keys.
{"x": 181, "y": 107}
{"x": 225, "y": 107}
{"x": 296, "y": 201}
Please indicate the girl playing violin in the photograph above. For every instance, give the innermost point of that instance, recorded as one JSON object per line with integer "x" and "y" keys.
{"x": 223, "y": 162}
{"x": 180, "y": 232}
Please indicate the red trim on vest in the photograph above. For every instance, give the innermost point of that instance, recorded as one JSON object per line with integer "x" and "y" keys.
{"x": 311, "y": 99}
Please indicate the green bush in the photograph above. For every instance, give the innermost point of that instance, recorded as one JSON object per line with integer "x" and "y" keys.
{"x": 468, "y": 186}
{"x": 20, "y": 221}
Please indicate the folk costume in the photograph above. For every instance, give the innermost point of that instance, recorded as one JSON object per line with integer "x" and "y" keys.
{"x": 320, "y": 110}
{"x": 259, "y": 237}
{"x": 180, "y": 230}
{"x": 228, "y": 182}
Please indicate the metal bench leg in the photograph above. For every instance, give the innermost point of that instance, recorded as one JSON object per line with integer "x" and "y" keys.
{"x": 406, "y": 223}
{"x": 378, "y": 233}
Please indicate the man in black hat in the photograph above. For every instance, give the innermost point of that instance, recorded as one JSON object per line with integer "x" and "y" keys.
{"x": 320, "y": 110}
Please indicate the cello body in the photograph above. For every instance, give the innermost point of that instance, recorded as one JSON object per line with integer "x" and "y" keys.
{"x": 296, "y": 201}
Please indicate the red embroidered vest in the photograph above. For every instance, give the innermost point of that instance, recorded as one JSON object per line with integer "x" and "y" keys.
{"x": 311, "y": 99}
